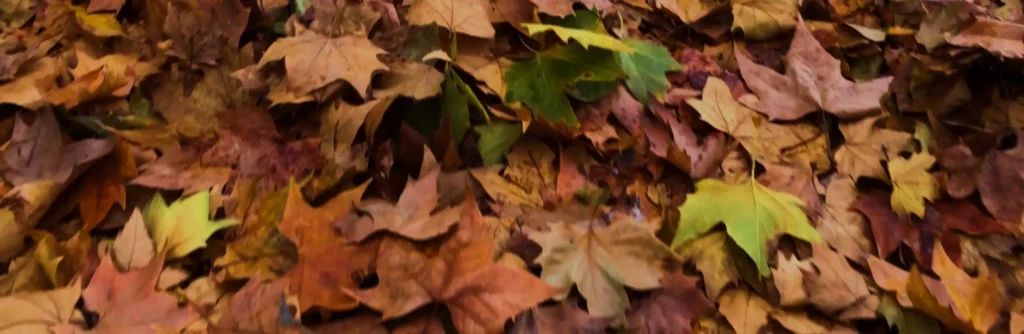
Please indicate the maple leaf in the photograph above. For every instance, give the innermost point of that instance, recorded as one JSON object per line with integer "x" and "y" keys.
{"x": 129, "y": 302}
{"x": 258, "y": 246}
{"x": 482, "y": 63}
{"x": 586, "y": 38}
{"x": 601, "y": 262}
{"x": 837, "y": 288}
{"x": 996, "y": 36}
{"x": 183, "y": 226}
{"x": 133, "y": 248}
{"x": 411, "y": 217}
{"x": 312, "y": 61}
{"x": 893, "y": 279}
{"x": 38, "y": 269}
{"x": 105, "y": 186}
{"x": 746, "y": 312}
{"x": 691, "y": 11}
{"x": 763, "y": 19}
{"x": 557, "y": 8}
{"x": 791, "y": 96}
{"x": 765, "y": 140}
{"x": 414, "y": 80}
{"x": 753, "y": 216}
{"x": 912, "y": 184}
{"x": 564, "y": 317}
{"x": 36, "y": 152}
{"x": 39, "y": 312}
{"x": 29, "y": 89}
{"x": 312, "y": 228}
{"x": 646, "y": 69}
{"x": 672, "y": 307}
{"x": 995, "y": 176}
{"x": 973, "y": 304}
{"x": 480, "y": 294}
{"x": 179, "y": 169}
{"x": 712, "y": 256}
{"x": 541, "y": 83}
{"x": 464, "y": 16}
{"x": 256, "y": 308}
{"x": 940, "y": 218}
{"x": 865, "y": 147}
{"x": 840, "y": 224}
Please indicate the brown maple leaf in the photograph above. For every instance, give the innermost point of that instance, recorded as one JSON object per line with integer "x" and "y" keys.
{"x": 479, "y": 293}
{"x": 104, "y": 187}
{"x": 672, "y": 307}
{"x": 129, "y": 302}
{"x": 996, "y": 176}
{"x": 813, "y": 81}
{"x": 312, "y": 61}
{"x": 411, "y": 217}
{"x": 921, "y": 235}
{"x": 256, "y": 308}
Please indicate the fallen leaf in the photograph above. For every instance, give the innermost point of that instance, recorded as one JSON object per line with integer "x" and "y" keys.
{"x": 940, "y": 219}
{"x": 753, "y": 216}
{"x": 840, "y": 224}
{"x": 646, "y": 69}
{"x": 973, "y": 303}
{"x": 746, "y": 312}
{"x": 411, "y": 217}
{"x": 865, "y": 147}
{"x": 999, "y": 37}
{"x": 767, "y": 141}
{"x": 312, "y": 61}
{"x": 763, "y": 19}
{"x": 813, "y": 81}
{"x": 837, "y": 288}
{"x": 133, "y": 248}
{"x": 415, "y": 80}
{"x": 183, "y": 226}
{"x": 129, "y": 303}
{"x": 601, "y": 262}
{"x": 789, "y": 279}
{"x": 256, "y": 309}
{"x": 671, "y": 308}
{"x": 464, "y": 16}
{"x": 912, "y": 184}
{"x": 565, "y": 317}
{"x": 312, "y": 228}
{"x": 102, "y": 189}
{"x": 995, "y": 176}
{"x": 39, "y": 312}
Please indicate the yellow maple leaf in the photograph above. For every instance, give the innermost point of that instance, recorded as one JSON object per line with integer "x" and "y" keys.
{"x": 912, "y": 184}
{"x": 183, "y": 226}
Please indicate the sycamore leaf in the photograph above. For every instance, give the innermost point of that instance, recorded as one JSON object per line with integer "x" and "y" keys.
{"x": 39, "y": 312}
{"x": 415, "y": 80}
{"x": 753, "y": 216}
{"x": 837, "y": 288}
{"x": 542, "y": 82}
{"x": 129, "y": 302}
{"x": 972, "y": 305}
{"x": 104, "y": 187}
{"x": 763, "y": 19}
{"x": 411, "y": 217}
{"x": 183, "y": 226}
{"x": 865, "y": 147}
{"x": 460, "y": 273}
{"x": 813, "y": 81}
{"x": 766, "y": 141}
{"x": 601, "y": 262}
{"x": 912, "y": 184}
{"x": 312, "y": 61}
{"x": 671, "y": 308}
{"x": 586, "y": 38}
{"x": 464, "y": 16}
{"x": 256, "y": 308}
{"x": 133, "y": 248}
{"x": 646, "y": 69}
{"x": 711, "y": 254}
{"x": 746, "y": 312}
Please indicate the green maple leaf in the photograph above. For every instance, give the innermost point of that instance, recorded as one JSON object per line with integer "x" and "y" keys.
{"x": 183, "y": 226}
{"x": 752, "y": 214}
{"x": 542, "y": 82}
{"x": 495, "y": 140}
{"x": 646, "y": 68}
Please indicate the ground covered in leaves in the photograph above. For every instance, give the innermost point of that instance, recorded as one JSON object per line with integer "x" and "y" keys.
{"x": 525, "y": 166}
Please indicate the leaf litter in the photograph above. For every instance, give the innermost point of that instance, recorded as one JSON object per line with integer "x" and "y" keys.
{"x": 523, "y": 166}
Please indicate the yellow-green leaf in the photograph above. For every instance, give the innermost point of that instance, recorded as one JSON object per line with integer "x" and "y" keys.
{"x": 183, "y": 226}
{"x": 99, "y": 25}
{"x": 753, "y": 215}
{"x": 912, "y": 184}
{"x": 763, "y": 19}
{"x": 584, "y": 37}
